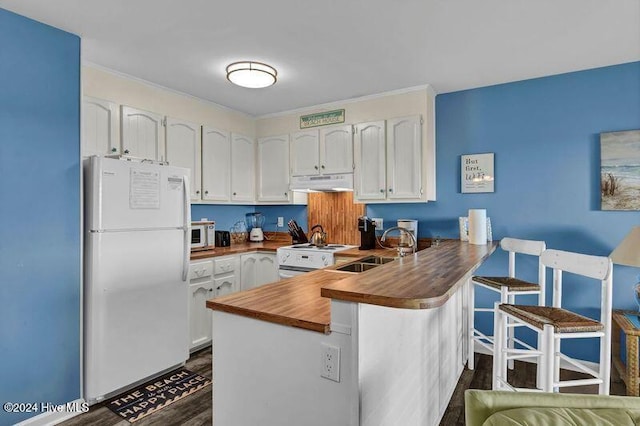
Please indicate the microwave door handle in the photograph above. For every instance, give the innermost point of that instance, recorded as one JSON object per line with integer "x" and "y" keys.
{"x": 186, "y": 227}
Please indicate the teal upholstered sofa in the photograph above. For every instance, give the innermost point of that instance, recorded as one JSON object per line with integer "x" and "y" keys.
{"x": 493, "y": 408}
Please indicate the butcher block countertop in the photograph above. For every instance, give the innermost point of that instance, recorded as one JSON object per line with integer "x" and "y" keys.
{"x": 421, "y": 281}
{"x": 239, "y": 248}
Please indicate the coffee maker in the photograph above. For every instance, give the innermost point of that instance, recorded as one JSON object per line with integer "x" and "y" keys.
{"x": 367, "y": 228}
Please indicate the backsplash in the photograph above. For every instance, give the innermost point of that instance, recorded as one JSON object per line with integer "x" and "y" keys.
{"x": 338, "y": 215}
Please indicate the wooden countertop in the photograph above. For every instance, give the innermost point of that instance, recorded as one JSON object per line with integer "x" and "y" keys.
{"x": 239, "y": 248}
{"x": 421, "y": 281}
{"x": 295, "y": 301}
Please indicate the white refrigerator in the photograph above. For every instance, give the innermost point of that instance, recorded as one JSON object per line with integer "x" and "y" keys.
{"x": 137, "y": 246}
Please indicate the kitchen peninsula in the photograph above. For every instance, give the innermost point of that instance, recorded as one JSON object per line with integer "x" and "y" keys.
{"x": 393, "y": 337}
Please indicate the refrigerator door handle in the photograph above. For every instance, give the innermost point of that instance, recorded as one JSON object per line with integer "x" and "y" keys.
{"x": 186, "y": 226}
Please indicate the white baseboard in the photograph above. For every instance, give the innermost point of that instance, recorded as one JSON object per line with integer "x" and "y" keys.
{"x": 57, "y": 413}
{"x": 563, "y": 364}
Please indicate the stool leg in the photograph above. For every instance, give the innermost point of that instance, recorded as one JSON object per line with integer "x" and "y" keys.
{"x": 539, "y": 347}
{"x": 471, "y": 311}
{"x": 498, "y": 345}
{"x": 556, "y": 362}
{"x": 505, "y": 297}
{"x": 547, "y": 366}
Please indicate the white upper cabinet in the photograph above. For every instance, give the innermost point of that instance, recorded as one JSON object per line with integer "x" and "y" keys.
{"x": 404, "y": 158}
{"x": 216, "y": 164}
{"x": 142, "y": 134}
{"x": 336, "y": 149}
{"x": 390, "y": 161}
{"x": 243, "y": 165}
{"x": 273, "y": 169}
{"x": 325, "y": 151}
{"x": 100, "y": 122}
{"x": 370, "y": 161}
{"x": 183, "y": 142}
{"x": 305, "y": 153}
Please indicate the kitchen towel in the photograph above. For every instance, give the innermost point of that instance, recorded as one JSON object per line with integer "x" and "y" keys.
{"x": 478, "y": 226}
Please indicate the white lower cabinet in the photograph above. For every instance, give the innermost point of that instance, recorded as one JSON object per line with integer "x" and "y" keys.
{"x": 258, "y": 269}
{"x": 208, "y": 279}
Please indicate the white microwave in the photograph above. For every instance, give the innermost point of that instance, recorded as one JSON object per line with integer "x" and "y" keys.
{"x": 203, "y": 235}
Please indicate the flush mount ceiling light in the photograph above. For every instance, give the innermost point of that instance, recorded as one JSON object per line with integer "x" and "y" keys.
{"x": 253, "y": 75}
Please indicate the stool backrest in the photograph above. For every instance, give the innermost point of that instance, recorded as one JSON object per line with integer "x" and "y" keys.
{"x": 596, "y": 267}
{"x": 529, "y": 247}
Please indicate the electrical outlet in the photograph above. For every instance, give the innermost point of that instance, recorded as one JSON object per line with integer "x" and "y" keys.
{"x": 330, "y": 362}
{"x": 280, "y": 221}
{"x": 378, "y": 221}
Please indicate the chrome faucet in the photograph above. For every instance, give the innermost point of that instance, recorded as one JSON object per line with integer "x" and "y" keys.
{"x": 412, "y": 237}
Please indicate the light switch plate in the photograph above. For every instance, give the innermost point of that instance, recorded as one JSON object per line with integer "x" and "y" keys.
{"x": 280, "y": 221}
{"x": 379, "y": 222}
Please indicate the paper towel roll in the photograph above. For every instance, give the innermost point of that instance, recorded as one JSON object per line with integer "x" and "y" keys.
{"x": 478, "y": 226}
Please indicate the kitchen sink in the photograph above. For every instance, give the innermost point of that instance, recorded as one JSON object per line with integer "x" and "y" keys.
{"x": 377, "y": 260}
{"x": 356, "y": 267}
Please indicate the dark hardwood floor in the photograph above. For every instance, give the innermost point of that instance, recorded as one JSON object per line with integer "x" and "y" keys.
{"x": 195, "y": 409}
{"x": 192, "y": 410}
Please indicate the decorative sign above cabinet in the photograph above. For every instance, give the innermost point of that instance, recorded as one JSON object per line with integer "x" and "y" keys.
{"x": 477, "y": 173}
{"x": 322, "y": 119}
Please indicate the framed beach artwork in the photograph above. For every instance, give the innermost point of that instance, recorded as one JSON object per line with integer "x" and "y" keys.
{"x": 620, "y": 170}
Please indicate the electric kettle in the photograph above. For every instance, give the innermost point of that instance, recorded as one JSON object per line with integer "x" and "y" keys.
{"x": 318, "y": 238}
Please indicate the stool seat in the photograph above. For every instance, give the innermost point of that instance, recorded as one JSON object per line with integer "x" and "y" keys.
{"x": 562, "y": 320}
{"x": 513, "y": 284}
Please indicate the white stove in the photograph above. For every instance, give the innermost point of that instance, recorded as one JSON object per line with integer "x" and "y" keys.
{"x": 301, "y": 258}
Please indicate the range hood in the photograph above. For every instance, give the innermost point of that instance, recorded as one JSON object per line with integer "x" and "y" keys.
{"x": 323, "y": 183}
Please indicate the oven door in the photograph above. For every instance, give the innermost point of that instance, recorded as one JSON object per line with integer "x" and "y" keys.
{"x": 292, "y": 271}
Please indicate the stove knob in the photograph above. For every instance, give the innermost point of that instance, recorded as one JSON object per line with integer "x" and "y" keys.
{"x": 326, "y": 263}
{"x": 324, "y": 257}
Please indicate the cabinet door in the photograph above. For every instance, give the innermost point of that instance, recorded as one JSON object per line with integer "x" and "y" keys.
{"x": 199, "y": 315}
{"x": 305, "y": 153}
{"x": 336, "y": 149}
{"x": 226, "y": 284}
{"x": 247, "y": 271}
{"x": 370, "y": 160}
{"x": 142, "y": 134}
{"x": 216, "y": 165}
{"x": 183, "y": 150}
{"x": 243, "y": 164}
{"x": 99, "y": 127}
{"x": 404, "y": 158}
{"x": 273, "y": 168}
{"x": 267, "y": 269}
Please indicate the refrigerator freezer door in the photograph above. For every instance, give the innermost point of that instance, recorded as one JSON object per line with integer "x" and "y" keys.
{"x": 132, "y": 195}
{"x": 136, "y": 321}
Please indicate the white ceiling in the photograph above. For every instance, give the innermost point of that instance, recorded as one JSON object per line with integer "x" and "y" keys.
{"x": 333, "y": 50}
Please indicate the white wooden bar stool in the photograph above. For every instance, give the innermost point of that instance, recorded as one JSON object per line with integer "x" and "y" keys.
{"x": 508, "y": 287}
{"x": 553, "y": 324}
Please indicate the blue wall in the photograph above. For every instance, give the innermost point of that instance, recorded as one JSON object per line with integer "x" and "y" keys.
{"x": 545, "y": 136}
{"x": 39, "y": 214}
{"x": 226, "y": 216}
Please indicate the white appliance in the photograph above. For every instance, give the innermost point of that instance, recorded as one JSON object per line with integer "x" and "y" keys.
{"x": 137, "y": 246}
{"x": 203, "y": 235}
{"x": 410, "y": 225}
{"x": 299, "y": 259}
{"x": 328, "y": 183}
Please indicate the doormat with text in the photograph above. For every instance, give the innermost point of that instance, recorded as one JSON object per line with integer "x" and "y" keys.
{"x": 157, "y": 394}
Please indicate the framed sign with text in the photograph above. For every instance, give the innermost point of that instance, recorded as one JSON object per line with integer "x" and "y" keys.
{"x": 322, "y": 119}
{"x": 477, "y": 173}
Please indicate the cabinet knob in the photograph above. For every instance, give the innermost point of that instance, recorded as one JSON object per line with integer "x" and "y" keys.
{"x": 206, "y": 192}
{"x": 234, "y": 193}
{"x": 212, "y": 289}
{"x": 323, "y": 166}
{"x": 197, "y": 191}
{"x": 315, "y": 167}
{"x": 390, "y": 189}
{"x": 382, "y": 191}
{"x": 126, "y": 151}
{"x": 113, "y": 150}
